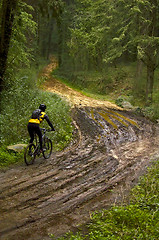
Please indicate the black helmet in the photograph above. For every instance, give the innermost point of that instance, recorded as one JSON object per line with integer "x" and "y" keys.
{"x": 42, "y": 107}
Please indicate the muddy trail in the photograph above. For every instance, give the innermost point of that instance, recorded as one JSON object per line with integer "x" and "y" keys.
{"x": 110, "y": 150}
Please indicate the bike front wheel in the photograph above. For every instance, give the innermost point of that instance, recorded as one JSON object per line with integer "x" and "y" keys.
{"x": 47, "y": 148}
{"x": 29, "y": 154}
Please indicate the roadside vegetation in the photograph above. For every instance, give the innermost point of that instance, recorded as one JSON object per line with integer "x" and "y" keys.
{"x": 107, "y": 50}
{"x": 136, "y": 220}
{"x": 104, "y": 48}
{"x": 18, "y": 103}
{"x": 116, "y": 84}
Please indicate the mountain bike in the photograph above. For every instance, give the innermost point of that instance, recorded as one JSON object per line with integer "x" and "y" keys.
{"x": 33, "y": 149}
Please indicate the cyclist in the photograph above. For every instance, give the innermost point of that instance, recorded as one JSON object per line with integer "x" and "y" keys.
{"x": 37, "y": 117}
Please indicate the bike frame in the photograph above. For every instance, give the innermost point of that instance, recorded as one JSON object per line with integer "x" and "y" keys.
{"x": 47, "y": 150}
{"x": 37, "y": 144}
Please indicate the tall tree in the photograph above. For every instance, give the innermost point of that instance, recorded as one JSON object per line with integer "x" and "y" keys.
{"x": 148, "y": 40}
{"x": 88, "y": 31}
{"x": 8, "y": 13}
{"x": 109, "y": 30}
{"x": 48, "y": 13}
{"x": 137, "y": 31}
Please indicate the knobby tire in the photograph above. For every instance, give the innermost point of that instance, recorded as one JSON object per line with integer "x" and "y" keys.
{"x": 29, "y": 154}
{"x": 47, "y": 148}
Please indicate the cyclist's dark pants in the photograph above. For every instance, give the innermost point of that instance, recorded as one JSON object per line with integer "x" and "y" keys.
{"x": 32, "y": 129}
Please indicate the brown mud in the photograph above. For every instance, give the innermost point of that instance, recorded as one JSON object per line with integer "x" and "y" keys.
{"x": 110, "y": 150}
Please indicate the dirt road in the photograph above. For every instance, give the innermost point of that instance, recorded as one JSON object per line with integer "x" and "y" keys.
{"x": 111, "y": 149}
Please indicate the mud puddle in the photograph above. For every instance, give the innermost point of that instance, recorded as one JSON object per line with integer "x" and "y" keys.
{"x": 111, "y": 149}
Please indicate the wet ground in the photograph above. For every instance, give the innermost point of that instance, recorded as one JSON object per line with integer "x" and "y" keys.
{"x": 111, "y": 149}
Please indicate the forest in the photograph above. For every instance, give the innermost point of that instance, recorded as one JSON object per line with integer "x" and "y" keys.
{"x": 105, "y": 49}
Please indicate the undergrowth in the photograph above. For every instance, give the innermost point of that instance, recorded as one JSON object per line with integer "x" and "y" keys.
{"x": 137, "y": 220}
{"x": 113, "y": 83}
{"x": 9, "y": 157}
{"x": 18, "y": 102}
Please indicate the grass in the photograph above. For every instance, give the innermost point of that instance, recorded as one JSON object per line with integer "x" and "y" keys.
{"x": 99, "y": 84}
{"x": 86, "y": 92}
{"x": 18, "y": 104}
{"x": 137, "y": 220}
{"x": 114, "y": 82}
{"x": 9, "y": 157}
{"x": 86, "y": 83}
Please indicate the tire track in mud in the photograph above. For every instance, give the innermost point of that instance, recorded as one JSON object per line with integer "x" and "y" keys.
{"x": 55, "y": 195}
{"x": 111, "y": 149}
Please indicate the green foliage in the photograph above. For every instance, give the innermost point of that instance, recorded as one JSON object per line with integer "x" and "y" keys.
{"x": 146, "y": 194}
{"x": 9, "y": 157}
{"x": 116, "y": 84}
{"x": 100, "y": 83}
{"x": 59, "y": 113}
{"x": 23, "y": 33}
{"x": 89, "y": 34}
{"x": 128, "y": 222}
{"x": 98, "y": 33}
{"x": 138, "y": 220}
{"x": 18, "y": 103}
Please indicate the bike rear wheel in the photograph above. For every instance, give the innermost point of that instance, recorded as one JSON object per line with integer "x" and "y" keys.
{"x": 47, "y": 148}
{"x": 29, "y": 154}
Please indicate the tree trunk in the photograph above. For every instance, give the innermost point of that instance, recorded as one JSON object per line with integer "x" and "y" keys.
{"x": 151, "y": 51}
{"x": 150, "y": 83}
{"x": 49, "y": 38}
{"x": 139, "y": 68}
{"x": 60, "y": 41}
{"x": 8, "y": 12}
{"x": 138, "y": 76}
